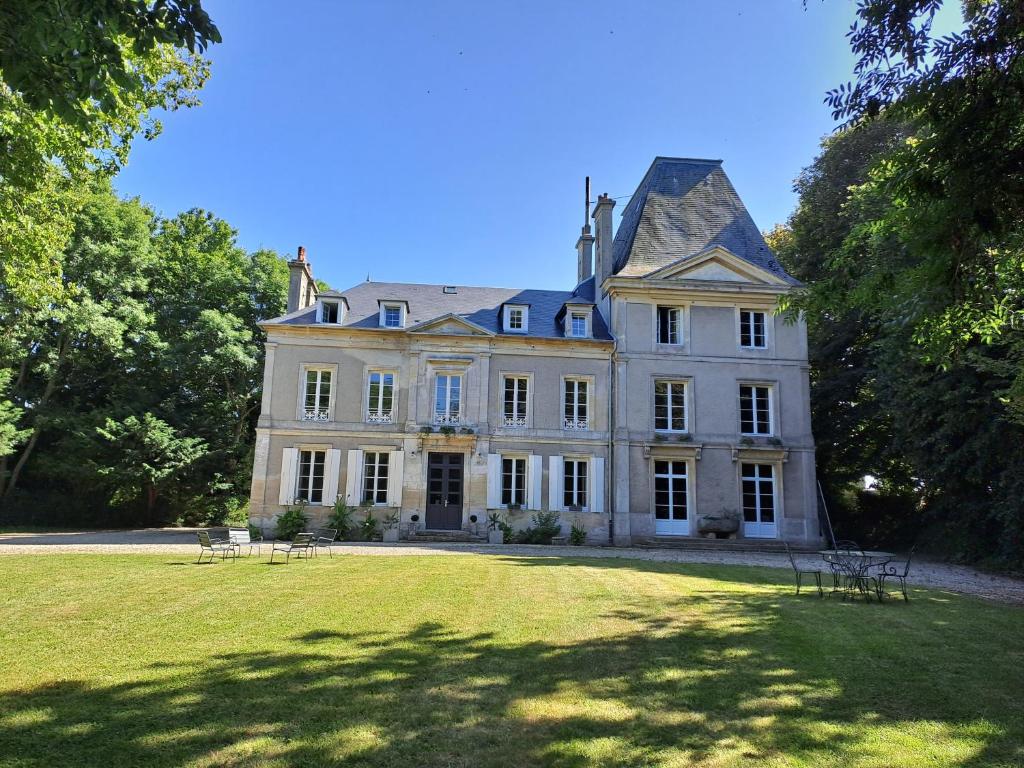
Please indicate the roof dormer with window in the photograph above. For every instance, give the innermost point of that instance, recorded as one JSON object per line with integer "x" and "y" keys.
{"x": 393, "y": 314}
{"x": 515, "y": 318}
{"x": 331, "y": 309}
{"x": 579, "y": 320}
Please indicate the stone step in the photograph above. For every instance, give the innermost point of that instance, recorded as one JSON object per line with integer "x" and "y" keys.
{"x": 719, "y": 545}
{"x": 447, "y": 536}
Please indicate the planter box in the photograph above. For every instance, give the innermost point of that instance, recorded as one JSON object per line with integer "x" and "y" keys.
{"x": 390, "y": 535}
{"x": 496, "y": 537}
{"x": 708, "y": 524}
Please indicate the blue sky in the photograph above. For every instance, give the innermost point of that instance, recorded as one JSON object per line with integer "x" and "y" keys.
{"x": 447, "y": 142}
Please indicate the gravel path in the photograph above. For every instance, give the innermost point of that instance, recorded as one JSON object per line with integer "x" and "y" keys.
{"x": 954, "y": 578}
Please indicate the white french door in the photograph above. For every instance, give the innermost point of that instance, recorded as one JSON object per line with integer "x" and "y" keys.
{"x": 759, "y": 501}
{"x": 671, "y": 502}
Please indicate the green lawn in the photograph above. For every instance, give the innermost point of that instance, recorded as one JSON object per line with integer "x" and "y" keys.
{"x": 491, "y": 661}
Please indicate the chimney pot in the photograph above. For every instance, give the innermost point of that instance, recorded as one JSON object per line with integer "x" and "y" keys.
{"x": 302, "y": 253}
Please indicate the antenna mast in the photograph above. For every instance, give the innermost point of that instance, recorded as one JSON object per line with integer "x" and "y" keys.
{"x": 586, "y": 208}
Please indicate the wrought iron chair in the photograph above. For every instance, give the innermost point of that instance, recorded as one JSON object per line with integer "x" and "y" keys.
{"x": 303, "y": 543}
{"x": 891, "y": 570}
{"x": 324, "y": 537}
{"x": 801, "y": 572}
{"x": 213, "y": 546}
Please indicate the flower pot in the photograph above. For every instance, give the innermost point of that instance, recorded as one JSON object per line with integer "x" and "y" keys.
{"x": 390, "y": 535}
{"x": 496, "y": 536}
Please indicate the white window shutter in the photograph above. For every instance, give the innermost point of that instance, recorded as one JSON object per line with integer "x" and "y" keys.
{"x": 555, "y": 481}
{"x": 493, "y": 480}
{"x": 289, "y": 461}
{"x": 332, "y": 473}
{"x": 396, "y": 467}
{"x": 353, "y": 477}
{"x": 535, "y": 500}
{"x": 596, "y": 489}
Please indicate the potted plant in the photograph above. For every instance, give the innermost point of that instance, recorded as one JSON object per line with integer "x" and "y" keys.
{"x": 390, "y": 526}
{"x": 414, "y": 524}
{"x": 495, "y": 529}
{"x": 472, "y": 521}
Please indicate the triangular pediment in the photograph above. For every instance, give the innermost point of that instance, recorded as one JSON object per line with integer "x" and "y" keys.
{"x": 450, "y": 325}
{"x": 716, "y": 264}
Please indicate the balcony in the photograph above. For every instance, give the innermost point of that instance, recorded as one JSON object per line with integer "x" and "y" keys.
{"x": 380, "y": 418}
{"x": 315, "y": 414}
{"x": 447, "y": 419}
{"x": 576, "y": 424}
{"x": 518, "y": 422}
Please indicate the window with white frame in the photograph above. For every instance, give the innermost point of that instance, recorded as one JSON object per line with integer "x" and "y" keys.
{"x": 755, "y": 409}
{"x": 577, "y": 404}
{"x": 310, "y": 477}
{"x": 392, "y": 316}
{"x": 330, "y": 312}
{"x": 513, "y": 480}
{"x": 516, "y": 319}
{"x": 574, "y": 483}
{"x": 670, "y": 406}
{"x": 670, "y": 325}
{"x": 380, "y": 398}
{"x": 317, "y": 401}
{"x": 758, "y": 493}
{"x": 447, "y": 399}
{"x": 670, "y": 492}
{"x": 375, "y": 477}
{"x": 578, "y": 325}
{"x": 752, "y": 329}
{"x": 516, "y": 398}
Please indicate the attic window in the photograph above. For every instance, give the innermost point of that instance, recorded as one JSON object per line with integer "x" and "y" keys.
{"x": 449, "y": 289}
{"x": 392, "y": 314}
{"x": 330, "y": 312}
{"x": 516, "y": 319}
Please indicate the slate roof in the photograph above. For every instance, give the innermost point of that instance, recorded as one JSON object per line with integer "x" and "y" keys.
{"x": 481, "y": 306}
{"x": 682, "y": 207}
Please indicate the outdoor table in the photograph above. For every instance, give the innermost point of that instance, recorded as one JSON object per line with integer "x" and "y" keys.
{"x": 853, "y": 566}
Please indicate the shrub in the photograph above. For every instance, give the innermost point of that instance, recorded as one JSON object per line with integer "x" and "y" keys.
{"x": 577, "y": 534}
{"x": 293, "y": 521}
{"x": 543, "y": 527}
{"x": 341, "y": 518}
{"x": 368, "y": 528}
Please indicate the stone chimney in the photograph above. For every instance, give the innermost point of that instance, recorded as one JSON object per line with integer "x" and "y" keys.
{"x": 585, "y": 245}
{"x": 603, "y": 225}
{"x": 301, "y": 288}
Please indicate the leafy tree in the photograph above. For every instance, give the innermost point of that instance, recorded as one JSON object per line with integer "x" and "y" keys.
{"x": 10, "y": 414}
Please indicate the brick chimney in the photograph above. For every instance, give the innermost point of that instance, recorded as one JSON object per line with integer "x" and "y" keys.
{"x": 603, "y": 225}
{"x": 585, "y": 245}
{"x": 301, "y": 288}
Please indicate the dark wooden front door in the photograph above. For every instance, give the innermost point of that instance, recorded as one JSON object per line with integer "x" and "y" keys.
{"x": 444, "y": 491}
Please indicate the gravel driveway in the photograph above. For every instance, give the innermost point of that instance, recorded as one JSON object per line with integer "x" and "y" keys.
{"x": 954, "y": 578}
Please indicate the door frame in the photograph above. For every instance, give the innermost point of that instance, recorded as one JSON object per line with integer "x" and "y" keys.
{"x": 688, "y": 526}
{"x": 462, "y": 493}
{"x": 760, "y": 530}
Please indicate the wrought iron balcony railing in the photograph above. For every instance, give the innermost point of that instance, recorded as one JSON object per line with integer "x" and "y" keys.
{"x": 576, "y": 424}
{"x": 316, "y": 414}
{"x": 515, "y": 421}
{"x": 380, "y": 418}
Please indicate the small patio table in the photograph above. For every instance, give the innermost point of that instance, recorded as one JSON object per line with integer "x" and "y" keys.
{"x": 851, "y": 566}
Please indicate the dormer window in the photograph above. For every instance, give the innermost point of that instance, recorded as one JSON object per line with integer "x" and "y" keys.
{"x": 516, "y": 318}
{"x": 578, "y": 321}
{"x": 392, "y": 314}
{"x": 330, "y": 312}
{"x": 579, "y": 325}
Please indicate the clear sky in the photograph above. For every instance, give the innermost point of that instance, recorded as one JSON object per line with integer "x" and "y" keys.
{"x": 447, "y": 142}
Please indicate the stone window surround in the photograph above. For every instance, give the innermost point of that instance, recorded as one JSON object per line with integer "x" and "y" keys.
{"x": 773, "y": 405}
{"x": 300, "y": 406}
{"x": 691, "y": 410}
{"x": 769, "y": 330}
{"x": 591, "y": 386}
{"x": 684, "y": 327}
{"x": 367, "y": 370}
{"x": 502, "y": 375}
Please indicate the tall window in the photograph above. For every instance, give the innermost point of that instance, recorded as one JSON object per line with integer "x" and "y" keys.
{"x": 317, "y": 405}
{"x": 392, "y": 316}
{"x": 513, "y": 480}
{"x": 516, "y": 393}
{"x": 329, "y": 312}
{"x": 752, "y": 325}
{"x": 515, "y": 319}
{"x": 758, "y": 493}
{"x": 576, "y": 404}
{"x": 447, "y": 399}
{"x": 670, "y": 490}
{"x": 311, "y": 477}
{"x": 670, "y": 329}
{"x": 670, "y": 406}
{"x": 755, "y": 409}
{"x": 578, "y": 326}
{"x": 574, "y": 483}
{"x": 380, "y": 399}
{"x": 375, "y": 477}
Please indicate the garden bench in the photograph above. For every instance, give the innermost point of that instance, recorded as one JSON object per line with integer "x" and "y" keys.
{"x": 303, "y": 543}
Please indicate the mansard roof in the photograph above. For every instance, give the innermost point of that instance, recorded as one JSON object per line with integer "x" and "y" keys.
{"x": 478, "y": 305}
{"x": 682, "y": 208}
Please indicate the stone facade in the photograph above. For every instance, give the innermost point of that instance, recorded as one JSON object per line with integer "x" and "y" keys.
{"x": 624, "y": 462}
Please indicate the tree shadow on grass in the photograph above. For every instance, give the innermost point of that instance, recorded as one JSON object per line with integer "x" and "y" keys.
{"x": 723, "y": 677}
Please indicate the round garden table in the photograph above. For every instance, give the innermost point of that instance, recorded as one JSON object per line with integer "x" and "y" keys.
{"x": 850, "y": 570}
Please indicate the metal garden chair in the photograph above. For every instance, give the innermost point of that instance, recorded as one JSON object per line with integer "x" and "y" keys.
{"x": 801, "y": 572}
{"x": 242, "y": 537}
{"x": 302, "y": 544}
{"x": 324, "y": 537}
{"x": 213, "y": 546}
{"x": 892, "y": 571}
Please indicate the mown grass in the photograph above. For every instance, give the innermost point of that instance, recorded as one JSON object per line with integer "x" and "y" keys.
{"x": 491, "y": 661}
